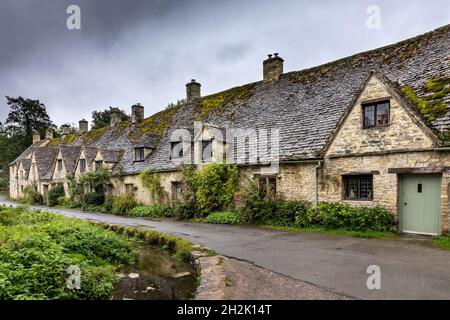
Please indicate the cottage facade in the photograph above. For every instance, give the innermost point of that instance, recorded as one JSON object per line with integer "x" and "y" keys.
{"x": 370, "y": 129}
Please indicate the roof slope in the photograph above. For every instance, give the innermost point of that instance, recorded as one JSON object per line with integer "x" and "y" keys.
{"x": 70, "y": 157}
{"x": 305, "y": 105}
{"x": 45, "y": 157}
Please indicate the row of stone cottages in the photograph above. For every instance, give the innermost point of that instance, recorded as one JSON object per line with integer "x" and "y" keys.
{"x": 368, "y": 129}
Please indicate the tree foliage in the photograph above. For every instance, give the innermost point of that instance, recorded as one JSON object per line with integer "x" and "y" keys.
{"x": 214, "y": 186}
{"x": 26, "y": 116}
{"x": 16, "y": 134}
{"x": 102, "y": 119}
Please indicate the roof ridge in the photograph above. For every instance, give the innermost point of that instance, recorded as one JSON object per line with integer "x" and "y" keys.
{"x": 383, "y": 48}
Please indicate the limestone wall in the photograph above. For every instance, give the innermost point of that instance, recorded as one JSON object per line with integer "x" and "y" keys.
{"x": 385, "y": 185}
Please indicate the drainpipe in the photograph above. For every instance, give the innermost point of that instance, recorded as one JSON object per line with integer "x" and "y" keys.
{"x": 316, "y": 182}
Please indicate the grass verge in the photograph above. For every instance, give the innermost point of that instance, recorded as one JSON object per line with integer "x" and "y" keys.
{"x": 442, "y": 242}
{"x": 369, "y": 234}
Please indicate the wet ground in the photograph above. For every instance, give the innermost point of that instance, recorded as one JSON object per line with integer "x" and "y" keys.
{"x": 152, "y": 278}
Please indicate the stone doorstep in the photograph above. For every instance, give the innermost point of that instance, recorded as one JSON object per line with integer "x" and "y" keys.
{"x": 212, "y": 279}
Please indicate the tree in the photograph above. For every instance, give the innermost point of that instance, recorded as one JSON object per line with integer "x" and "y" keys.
{"x": 16, "y": 134}
{"x": 102, "y": 119}
{"x": 26, "y": 115}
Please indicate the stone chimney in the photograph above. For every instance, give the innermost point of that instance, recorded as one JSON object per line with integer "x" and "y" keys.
{"x": 115, "y": 119}
{"x": 65, "y": 129}
{"x": 49, "y": 134}
{"x": 83, "y": 126}
{"x": 193, "y": 90}
{"x": 272, "y": 68}
{"x": 36, "y": 136}
{"x": 137, "y": 113}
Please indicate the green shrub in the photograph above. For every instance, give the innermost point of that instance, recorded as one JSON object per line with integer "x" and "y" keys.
{"x": 31, "y": 195}
{"x": 186, "y": 208}
{"x": 93, "y": 199}
{"x": 337, "y": 215}
{"x": 258, "y": 208}
{"x": 123, "y": 205}
{"x": 153, "y": 211}
{"x": 108, "y": 204}
{"x": 225, "y": 218}
{"x": 214, "y": 186}
{"x": 54, "y": 194}
{"x": 286, "y": 212}
{"x": 73, "y": 204}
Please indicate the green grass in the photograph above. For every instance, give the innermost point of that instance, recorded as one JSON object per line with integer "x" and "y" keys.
{"x": 442, "y": 242}
{"x": 337, "y": 232}
{"x": 36, "y": 249}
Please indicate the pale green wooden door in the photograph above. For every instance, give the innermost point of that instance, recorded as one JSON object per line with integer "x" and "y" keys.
{"x": 420, "y": 204}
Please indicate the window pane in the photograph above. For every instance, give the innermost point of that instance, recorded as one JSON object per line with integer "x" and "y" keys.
{"x": 358, "y": 187}
{"x": 82, "y": 165}
{"x": 139, "y": 154}
{"x": 369, "y": 116}
{"x": 272, "y": 186}
{"x": 365, "y": 188}
{"x": 382, "y": 114}
{"x": 176, "y": 150}
{"x": 352, "y": 188}
{"x": 207, "y": 150}
{"x": 263, "y": 186}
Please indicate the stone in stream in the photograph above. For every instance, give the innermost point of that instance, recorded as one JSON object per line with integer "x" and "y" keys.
{"x": 181, "y": 274}
{"x": 133, "y": 275}
{"x": 198, "y": 254}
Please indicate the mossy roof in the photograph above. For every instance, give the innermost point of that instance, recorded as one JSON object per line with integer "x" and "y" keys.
{"x": 306, "y": 106}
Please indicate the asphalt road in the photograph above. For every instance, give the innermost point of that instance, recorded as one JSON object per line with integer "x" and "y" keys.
{"x": 410, "y": 268}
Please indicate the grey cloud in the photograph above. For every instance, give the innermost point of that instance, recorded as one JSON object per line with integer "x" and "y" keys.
{"x": 145, "y": 51}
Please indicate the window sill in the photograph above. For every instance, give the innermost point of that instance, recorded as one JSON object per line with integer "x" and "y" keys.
{"x": 376, "y": 127}
{"x": 357, "y": 200}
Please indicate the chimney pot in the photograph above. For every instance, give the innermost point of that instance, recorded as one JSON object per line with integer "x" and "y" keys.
{"x": 65, "y": 129}
{"x": 115, "y": 119}
{"x": 83, "y": 126}
{"x": 193, "y": 91}
{"x": 137, "y": 113}
{"x": 36, "y": 136}
{"x": 272, "y": 68}
{"x": 49, "y": 134}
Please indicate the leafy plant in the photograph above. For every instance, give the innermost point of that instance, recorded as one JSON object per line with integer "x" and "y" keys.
{"x": 258, "y": 208}
{"x": 54, "y": 194}
{"x": 31, "y": 195}
{"x": 152, "y": 182}
{"x": 36, "y": 248}
{"x": 153, "y": 211}
{"x": 225, "y": 218}
{"x": 214, "y": 186}
{"x": 287, "y": 211}
{"x": 93, "y": 199}
{"x": 123, "y": 205}
{"x": 337, "y": 216}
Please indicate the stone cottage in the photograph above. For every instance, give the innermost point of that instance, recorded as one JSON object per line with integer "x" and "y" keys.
{"x": 370, "y": 129}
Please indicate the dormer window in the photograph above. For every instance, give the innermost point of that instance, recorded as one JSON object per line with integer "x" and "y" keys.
{"x": 376, "y": 114}
{"x": 176, "y": 150}
{"x": 207, "y": 150}
{"x": 59, "y": 166}
{"x": 139, "y": 154}
{"x": 98, "y": 165}
{"x": 82, "y": 165}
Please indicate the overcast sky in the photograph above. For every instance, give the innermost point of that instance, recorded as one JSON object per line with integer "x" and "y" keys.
{"x": 146, "y": 50}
